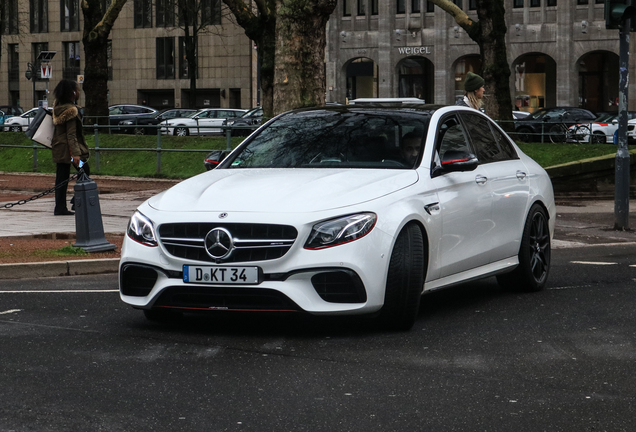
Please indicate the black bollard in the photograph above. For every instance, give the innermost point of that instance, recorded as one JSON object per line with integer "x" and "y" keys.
{"x": 89, "y": 228}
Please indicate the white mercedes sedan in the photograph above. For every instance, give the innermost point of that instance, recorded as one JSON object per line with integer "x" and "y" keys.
{"x": 344, "y": 210}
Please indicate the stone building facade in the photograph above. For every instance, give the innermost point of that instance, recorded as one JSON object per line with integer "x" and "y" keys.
{"x": 146, "y": 56}
{"x": 560, "y": 53}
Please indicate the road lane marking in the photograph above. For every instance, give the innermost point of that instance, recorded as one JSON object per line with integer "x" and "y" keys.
{"x": 593, "y": 263}
{"x": 10, "y": 311}
{"x": 58, "y": 291}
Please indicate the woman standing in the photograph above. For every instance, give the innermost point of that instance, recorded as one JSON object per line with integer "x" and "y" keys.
{"x": 68, "y": 144}
{"x": 474, "y": 87}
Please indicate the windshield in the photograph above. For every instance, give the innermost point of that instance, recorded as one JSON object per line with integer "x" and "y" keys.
{"x": 343, "y": 138}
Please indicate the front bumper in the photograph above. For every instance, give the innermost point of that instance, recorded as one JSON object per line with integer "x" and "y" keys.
{"x": 346, "y": 279}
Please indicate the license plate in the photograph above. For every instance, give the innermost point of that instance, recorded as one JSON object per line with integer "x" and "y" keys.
{"x": 220, "y": 275}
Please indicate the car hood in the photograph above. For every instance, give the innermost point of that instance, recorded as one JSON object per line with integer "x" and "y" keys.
{"x": 281, "y": 190}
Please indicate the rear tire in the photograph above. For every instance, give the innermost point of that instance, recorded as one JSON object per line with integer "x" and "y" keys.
{"x": 525, "y": 135}
{"x": 405, "y": 280}
{"x": 181, "y": 131}
{"x": 532, "y": 272}
{"x": 140, "y": 131}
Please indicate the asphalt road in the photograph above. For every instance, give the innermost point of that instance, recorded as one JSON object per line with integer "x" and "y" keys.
{"x": 74, "y": 358}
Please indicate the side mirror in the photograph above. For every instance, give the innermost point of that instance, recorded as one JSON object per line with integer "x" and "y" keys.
{"x": 458, "y": 160}
{"x": 214, "y": 158}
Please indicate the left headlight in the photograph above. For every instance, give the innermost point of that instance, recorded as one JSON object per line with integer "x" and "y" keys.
{"x": 142, "y": 230}
{"x": 344, "y": 229}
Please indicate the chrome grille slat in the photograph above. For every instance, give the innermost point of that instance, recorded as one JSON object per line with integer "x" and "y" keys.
{"x": 252, "y": 242}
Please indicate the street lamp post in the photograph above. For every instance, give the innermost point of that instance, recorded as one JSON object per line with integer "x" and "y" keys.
{"x": 30, "y": 74}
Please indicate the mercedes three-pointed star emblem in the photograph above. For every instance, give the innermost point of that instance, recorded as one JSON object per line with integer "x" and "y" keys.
{"x": 219, "y": 243}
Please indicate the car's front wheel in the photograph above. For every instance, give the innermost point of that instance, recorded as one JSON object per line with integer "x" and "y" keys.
{"x": 16, "y": 128}
{"x": 598, "y": 138}
{"x": 140, "y": 131}
{"x": 525, "y": 134}
{"x": 405, "y": 280}
{"x": 181, "y": 131}
{"x": 534, "y": 255}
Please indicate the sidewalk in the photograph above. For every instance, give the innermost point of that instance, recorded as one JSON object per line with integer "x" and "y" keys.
{"x": 580, "y": 223}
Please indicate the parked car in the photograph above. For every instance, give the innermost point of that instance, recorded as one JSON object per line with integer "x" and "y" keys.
{"x": 599, "y": 131}
{"x": 246, "y": 124}
{"x": 519, "y": 114}
{"x": 120, "y": 113}
{"x": 204, "y": 122}
{"x": 550, "y": 124}
{"x": 140, "y": 125}
{"x": 631, "y": 131}
{"x": 320, "y": 212}
{"x": 19, "y": 123}
{"x": 8, "y": 111}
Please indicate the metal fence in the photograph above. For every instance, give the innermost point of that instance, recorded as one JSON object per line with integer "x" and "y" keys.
{"x": 158, "y": 149}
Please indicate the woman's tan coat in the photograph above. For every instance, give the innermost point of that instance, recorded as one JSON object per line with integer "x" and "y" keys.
{"x": 68, "y": 138}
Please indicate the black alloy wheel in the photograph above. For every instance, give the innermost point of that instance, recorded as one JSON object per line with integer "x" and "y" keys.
{"x": 534, "y": 255}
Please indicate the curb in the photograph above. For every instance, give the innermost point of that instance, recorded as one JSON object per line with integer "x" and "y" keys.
{"x": 58, "y": 268}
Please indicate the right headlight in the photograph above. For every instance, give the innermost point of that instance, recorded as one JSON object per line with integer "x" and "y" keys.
{"x": 142, "y": 230}
{"x": 344, "y": 229}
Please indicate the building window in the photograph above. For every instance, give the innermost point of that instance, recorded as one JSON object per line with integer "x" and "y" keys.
{"x": 551, "y": 2}
{"x": 10, "y": 17}
{"x": 235, "y": 98}
{"x": 14, "y": 62}
{"x": 346, "y": 7}
{"x": 362, "y": 7}
{"x": 165, "y": 58}
{"x": 519, "y": 3}
{"x": 71, "y": 60}
{"x": 430, "y": 6}
{"x": 69, "y": 15}
{"x": 39, "y": 16}
{"x": 143, "y": 13}
{"x": 401, "y": 6}
{"x": 165, "y": 13}
{"x": 459, "y": 4}
{"x": 109, "y": 61}
{"x": 535, "y": 3}
{"x": 183, "y": 60}
{"x": 374, "y": 7}
{"x": 581, "y": 2}
{"x": 415, "y": 6}
{"x": 472, "y": 4}
{"x": 211, "y": 12}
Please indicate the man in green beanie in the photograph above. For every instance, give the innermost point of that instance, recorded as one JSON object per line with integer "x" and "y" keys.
{"x": 474, "y": 87}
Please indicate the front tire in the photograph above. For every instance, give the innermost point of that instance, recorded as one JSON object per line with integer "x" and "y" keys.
{"x": 140, "y": 131}
{"x": 525, "y": 135}
{"x": 16, "y": 128}
{"x": 598, "y": 138}
{"x": 532, "y": 272}
{"x": 405, "y": 280}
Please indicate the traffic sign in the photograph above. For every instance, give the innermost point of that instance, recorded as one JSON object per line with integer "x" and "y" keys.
{"x": 47, "y": 71}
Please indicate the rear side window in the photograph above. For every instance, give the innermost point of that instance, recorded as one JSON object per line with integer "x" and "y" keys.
{"x": 490, "y": 145}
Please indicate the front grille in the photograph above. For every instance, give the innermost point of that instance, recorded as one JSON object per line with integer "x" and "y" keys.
{"x": 252, "y": 242}
{"x": 233, "y": 299}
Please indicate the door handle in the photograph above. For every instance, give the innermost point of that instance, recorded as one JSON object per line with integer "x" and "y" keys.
{"x": 480, "y": 179}
{"x": 521, "y": 175}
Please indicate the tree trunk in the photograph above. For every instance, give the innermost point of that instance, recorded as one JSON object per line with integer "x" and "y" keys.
{"x": 495, "y": 68}
{"x": 261, "y": 28}
{"x": 299, "y": 73}
{"x": 97, "y": 26}
{"x": 490, "y": 34}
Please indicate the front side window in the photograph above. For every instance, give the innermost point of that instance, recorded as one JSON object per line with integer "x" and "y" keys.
{"x": 143, "y": 13}
{"x": 165, "y": 58}
{"x": 351, "y": 138}
{"x": 451, "y": 136}
{"x": 39, "y": 16}
{"x": 488, "y": 146}
{"x": 69, "y": 15}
